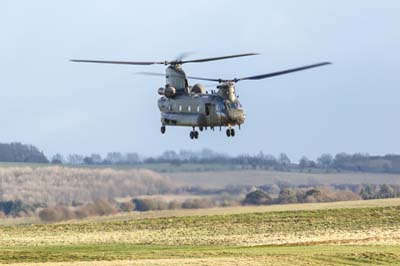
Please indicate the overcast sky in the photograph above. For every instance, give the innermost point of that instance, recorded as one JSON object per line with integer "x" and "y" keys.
{"x": 351, "y": 106}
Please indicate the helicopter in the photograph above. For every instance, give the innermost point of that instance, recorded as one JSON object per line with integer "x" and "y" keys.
{"x": 193, "y": 106}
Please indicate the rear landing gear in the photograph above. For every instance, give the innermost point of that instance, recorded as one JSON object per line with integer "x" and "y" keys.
{"x": 230, "y": 132}
{"x": 163, "y": 129}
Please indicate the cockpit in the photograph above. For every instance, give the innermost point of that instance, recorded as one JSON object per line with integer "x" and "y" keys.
{"x": 233, "y": 105}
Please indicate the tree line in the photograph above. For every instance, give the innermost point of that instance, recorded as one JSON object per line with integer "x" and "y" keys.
{"x": 21, "y": 153}
{"x": 358, "y": 162}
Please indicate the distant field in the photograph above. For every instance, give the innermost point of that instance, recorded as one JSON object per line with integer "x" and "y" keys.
{"x": 158, "y": 167}
{"x": 323, "y": 235}
{"x": 219, "y": 176}
{"x": 258, "y": 177}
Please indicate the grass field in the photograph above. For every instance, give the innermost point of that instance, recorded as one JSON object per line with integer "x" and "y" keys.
{"x": 315, "y": 234}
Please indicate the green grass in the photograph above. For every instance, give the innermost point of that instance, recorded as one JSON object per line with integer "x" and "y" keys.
{"x": 357, "y": 255}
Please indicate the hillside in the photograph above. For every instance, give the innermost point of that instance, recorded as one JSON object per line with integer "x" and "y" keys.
{"x": 306, "y": 237}
{"x": 55, "y": 184}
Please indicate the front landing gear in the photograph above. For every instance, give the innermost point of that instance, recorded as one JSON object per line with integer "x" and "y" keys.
{"x": 194, "y": 134}
{"x": 230, "y": 132}
{"x": 163, "y": 129}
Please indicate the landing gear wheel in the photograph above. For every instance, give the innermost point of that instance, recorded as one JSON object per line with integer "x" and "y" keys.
{"x": 232, "y": 132}
{"x": 196, "y": 134}
{"x": 228, "y": 132}
{"x": 191, "y": 135}
{"x": 201, "y": 128}
{"x": 163, "y": 129}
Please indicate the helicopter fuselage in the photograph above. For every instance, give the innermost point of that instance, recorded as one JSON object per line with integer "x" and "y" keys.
{"x": 200, "y": 110}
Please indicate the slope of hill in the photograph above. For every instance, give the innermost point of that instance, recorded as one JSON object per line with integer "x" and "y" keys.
{"x": 346, "y": 236}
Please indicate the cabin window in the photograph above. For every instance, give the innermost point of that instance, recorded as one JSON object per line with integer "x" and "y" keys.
{"x": 180, "y": 108}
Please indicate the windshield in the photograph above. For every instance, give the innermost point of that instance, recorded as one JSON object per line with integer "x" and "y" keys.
{"x": 234, "y": 105}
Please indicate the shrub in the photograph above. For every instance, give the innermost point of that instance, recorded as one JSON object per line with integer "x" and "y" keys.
{"x": 287, "y": 196}
{"x": 173, "y": 205}
{"x": 18, "y": 208}
{"x": 143, "y": 205}
{"x": 103, "y": 207}
{"x": 49, "y": 215}
{"x": 197, "y": 204}
{"x": 257, "y": 197}
{"x": 56, "y": 214}
{"x": 127, "y": 206}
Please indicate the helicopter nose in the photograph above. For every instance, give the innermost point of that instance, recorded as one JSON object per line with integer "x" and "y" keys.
{"x": 242, "y": 117}
{"x": 238, "y": 116}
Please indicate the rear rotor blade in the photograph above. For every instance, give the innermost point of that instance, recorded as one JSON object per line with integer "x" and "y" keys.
{"x": 283, "y": 72}
{"x": 207, "y": 79}
{"x": 118, "y": 62}
{"x": 217, "y": 58}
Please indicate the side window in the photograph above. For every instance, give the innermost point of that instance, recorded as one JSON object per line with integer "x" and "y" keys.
{"x": 198, "y": 108}
{"x": 189, "y": 108}
{"x": 180, "y": 108}
{"x": 170, "y": 107}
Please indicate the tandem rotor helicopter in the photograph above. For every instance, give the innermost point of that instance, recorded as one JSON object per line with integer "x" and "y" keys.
{"x": 192, "y": 106}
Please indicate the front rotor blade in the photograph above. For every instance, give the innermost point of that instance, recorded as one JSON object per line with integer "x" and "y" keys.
{"x": 217, "y": 58}
{"x": 283, "y": 72}
{"x": 119, "y": 62}
{"x": 182, "y": 56}
{"x": 188, "y": 77}
{"x": 151, "y": 74}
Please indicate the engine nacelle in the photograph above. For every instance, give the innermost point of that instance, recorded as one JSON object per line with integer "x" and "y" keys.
{"x": 198, "y": 89}
{"x": 161, "y": 91}
{"x": 169, "y": 91}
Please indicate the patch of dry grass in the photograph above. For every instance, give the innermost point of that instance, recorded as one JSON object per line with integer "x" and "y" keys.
{"x": 55, "y": 184}
{"x": 335, "y": 226}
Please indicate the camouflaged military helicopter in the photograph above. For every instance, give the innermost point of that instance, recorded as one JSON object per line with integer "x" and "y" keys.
{"x": 192, "y": 106}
